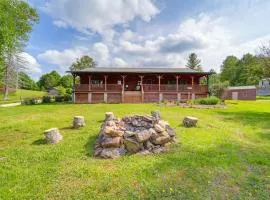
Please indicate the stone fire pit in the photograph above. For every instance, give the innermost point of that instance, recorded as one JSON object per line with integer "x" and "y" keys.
{"x": 140, "y": 134}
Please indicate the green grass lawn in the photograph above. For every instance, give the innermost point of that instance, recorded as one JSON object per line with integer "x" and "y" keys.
{"x": 263, "y": 97}
{"x": 21, "y": 94}
{"x": 226, "y": 157}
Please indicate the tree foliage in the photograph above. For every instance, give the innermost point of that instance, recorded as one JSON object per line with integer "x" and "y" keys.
{"x": 26, "y": 82}
{"x": 193, "y": 62}
{"x": 264, "y": 55}
{"x": 66, "y": 81}
{"x": 49, "y": 80}
{"x": 83, "y": 63}
{"x": 245, "y": 71}
{"x": 16, "y": 22}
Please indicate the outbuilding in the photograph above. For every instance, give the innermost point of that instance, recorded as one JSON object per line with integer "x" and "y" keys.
{"x": 239, "y": 93}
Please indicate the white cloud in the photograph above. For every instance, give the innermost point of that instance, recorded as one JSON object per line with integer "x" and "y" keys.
{"x": 99, "y": 15}
{"x": 63, "y": 59}
{"x": 60, "y": 24}
{"x": 213, "y": 36}
{"x": 31, "y": 65}
{"x": 101, "y": 53}
{"x": 119, "y": 62}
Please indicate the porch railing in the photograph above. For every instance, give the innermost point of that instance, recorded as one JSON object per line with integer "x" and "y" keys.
{"x": 173, "y": 87}
{"x": 98, "y": 87}
{"x": 146, "y": 88}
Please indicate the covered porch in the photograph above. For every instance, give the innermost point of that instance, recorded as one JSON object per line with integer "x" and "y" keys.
{"x": 138, "y": 87}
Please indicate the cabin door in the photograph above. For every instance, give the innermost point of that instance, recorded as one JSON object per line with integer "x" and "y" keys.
{"x": 234, "y": 95}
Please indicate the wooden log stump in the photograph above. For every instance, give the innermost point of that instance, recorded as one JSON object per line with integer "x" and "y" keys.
{"x": 53, "y": 136}
{"x": 109, "y": 116}
{"x": 78, "y": 122}
{"x": 190, "y": 121}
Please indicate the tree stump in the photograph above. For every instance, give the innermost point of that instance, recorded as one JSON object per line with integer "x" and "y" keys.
{"x": 53, "y": 136}
{"x": 109, "y": 116}
{"x": 190, "y": 121}
{"x": 78, "y": 122}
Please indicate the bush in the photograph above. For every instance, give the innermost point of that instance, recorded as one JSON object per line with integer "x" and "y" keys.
{"x": 47, "y": 99}
{"x": 67, "y": 98}
{"x": 59, "y": 98}
{"x": 69, "y": 91}
{"x": 216, "y": 89}
{"x": 31, "y": 101}
{"x": 208, "y": 101}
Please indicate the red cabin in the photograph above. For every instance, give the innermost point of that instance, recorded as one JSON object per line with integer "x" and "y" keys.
{"x": 138, "y": 85}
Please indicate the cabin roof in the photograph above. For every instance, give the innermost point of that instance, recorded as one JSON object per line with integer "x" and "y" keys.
{"x": 139, "y": 70}
{"x": 242, "y": 87}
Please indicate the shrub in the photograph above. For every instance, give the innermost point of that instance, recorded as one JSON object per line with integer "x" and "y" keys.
{"x": 69, "y": 91}
{"x": 216, "y": 89}
{"x": 47, "y": 99}
{"x": 59, "y": 98}
{"x": 31, "y": 101}
{"x": 208, "y": 101}
{"x": 67, "y": 98}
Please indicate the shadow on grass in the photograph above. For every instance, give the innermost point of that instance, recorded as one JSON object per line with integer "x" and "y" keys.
{"x": 68, "y": 128}
{"x": 264, "y": 135}
{"x": 209, "y": 168}
{"x": 39, "y": 142}
{"x": 255, "y": 119}
{"x": 90, "y": 145}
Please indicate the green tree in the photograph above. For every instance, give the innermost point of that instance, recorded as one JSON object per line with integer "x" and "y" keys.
{"x": 26, "y": 82}
{"x": 249, "y": 70}
{"x": 16, "y": 21}
{"x": 228, "y": 69}
{"x": 83, "y": 63}
{"x": 66, "y": 81}
{"x": 193, "y": 62}
{"x": 246, "y": 71}
{"x": 264, "y": 55}
{"x": 49, "y": 81}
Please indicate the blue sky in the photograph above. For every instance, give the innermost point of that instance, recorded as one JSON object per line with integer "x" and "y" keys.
{"x": 144, "y": 33}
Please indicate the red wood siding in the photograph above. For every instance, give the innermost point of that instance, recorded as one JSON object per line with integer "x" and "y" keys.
{"x": 151, "y": 97}
{"x": 114, "y": 98}
{"x": 81, "y": 98}
{"x": 97, "y": 98}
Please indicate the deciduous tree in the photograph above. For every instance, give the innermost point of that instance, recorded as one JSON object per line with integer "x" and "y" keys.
{"x": 83, "y": 63}
{"x": 17, "y": 19}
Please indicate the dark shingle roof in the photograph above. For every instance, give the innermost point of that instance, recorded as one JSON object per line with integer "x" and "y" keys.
{"x": 139, "y": 70}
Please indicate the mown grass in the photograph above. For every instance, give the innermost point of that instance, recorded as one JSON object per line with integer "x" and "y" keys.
{"x": 225, "y": 157}
{"x": 267, "y": 97}
{"x": 21, "y": 94}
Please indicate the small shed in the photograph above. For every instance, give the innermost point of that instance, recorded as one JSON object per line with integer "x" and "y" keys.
{"x": 53, "y": 92}
{"x": 239, "y": 93}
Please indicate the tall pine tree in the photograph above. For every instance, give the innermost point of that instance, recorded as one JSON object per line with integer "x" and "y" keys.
{"x": 193, "y": 62}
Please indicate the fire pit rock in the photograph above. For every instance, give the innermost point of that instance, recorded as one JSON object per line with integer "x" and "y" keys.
{"x": 137, "y": 134}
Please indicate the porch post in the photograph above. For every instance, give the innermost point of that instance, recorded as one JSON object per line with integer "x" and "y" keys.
{"x": 123, "y": 87}
{"x": 177, "y": 88}
{"x": 160, "y": 94}
{"x": 89, "y": 80}
{"x": 105, "y": 96}
{"x": 159, "y": 77}
{"x": 74, "y": 88}
{"x": 105, "y": 80}
{"x": 192, "y": 86}
{"x": 142, "y": 88}
{"x": 177, "y": 77}
{"x": 207, "y": 82}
